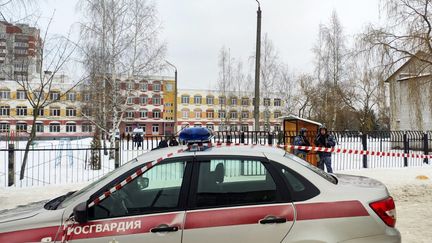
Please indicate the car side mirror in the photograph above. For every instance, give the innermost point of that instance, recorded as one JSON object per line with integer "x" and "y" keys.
{"x": 143, "y": 182}
{"x": 80, "y": 213}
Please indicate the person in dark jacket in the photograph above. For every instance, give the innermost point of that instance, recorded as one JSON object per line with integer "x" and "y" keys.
{"x": 163, "y": 143}
{"x": 325, "y": 140}
{"x": 301, "y": 140}
{"x": 173, "y": 142}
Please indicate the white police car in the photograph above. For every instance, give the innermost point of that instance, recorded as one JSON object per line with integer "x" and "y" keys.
{"x": 218, "y": 194}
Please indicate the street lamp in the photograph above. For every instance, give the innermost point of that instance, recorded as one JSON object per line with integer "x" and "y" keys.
{"x": 257, "y": 68}
{"x": 175, "y": 96}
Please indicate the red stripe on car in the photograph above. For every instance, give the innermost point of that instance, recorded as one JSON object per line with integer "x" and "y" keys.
{"x": 29, "y": 235}
{"x": 236, "y": 216}
{"x": 327, "y": 210}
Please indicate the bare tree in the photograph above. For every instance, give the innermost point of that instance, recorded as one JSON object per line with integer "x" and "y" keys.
{"x": 121, "y": 42}
{"x": 38, "y": 76}
{"x": 225, "y": 84}
{"x": 285, "y": 89}
{"x": 330, "y": 54}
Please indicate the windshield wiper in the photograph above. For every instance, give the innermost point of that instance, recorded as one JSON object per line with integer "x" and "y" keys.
{"x": 53, "y": 204}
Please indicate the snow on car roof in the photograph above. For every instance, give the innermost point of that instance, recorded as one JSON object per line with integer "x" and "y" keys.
{"x": 242, "y": 150}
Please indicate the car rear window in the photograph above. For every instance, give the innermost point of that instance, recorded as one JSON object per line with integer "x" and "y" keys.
{"x": 315, "y": 169}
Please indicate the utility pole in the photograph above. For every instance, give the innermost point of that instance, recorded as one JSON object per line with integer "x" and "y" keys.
{"x": 257, "y": 69}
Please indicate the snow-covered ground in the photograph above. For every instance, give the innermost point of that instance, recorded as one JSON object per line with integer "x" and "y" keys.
{"x": 410, "y": 187}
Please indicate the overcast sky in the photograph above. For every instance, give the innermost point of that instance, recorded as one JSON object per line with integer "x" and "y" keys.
{"x": 195, "y": 30}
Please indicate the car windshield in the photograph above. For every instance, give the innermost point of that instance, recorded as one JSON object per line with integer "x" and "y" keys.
{"x": 318, "y": 171}
{"x": 68, "y": 200}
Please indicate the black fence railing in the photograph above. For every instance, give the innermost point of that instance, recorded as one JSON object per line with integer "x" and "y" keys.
{"x": 58, "y": 162}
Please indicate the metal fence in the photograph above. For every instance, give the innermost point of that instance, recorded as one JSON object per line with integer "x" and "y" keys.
{"x": 61, "y": 162}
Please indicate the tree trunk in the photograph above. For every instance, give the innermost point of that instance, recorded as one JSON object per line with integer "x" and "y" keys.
{"x": 29, "y": 142}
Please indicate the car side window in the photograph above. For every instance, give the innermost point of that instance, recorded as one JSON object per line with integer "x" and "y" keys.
{"x": 156, "y": 190}
{"x": 224, "y": 182}
{"x": 300, "y": 188}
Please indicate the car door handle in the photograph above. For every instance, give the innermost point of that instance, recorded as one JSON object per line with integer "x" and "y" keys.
{"x": 164, "y": 228}
{"x": 273, "y": 220}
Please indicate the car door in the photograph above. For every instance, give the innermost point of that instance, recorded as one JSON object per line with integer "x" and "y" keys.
{"x": 236, "y": 199}
{"x": 148, "y": 208}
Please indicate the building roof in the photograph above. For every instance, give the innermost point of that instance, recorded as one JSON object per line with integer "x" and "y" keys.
{"x": 408, "y": 62}
{"x": 294, "y": 117}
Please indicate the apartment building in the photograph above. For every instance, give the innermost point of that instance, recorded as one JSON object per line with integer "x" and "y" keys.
{"x": 232, "y": 111}
{"x": 18, "y": 51}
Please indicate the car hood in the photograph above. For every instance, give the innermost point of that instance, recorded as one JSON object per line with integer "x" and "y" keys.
{"x": 358, "y": 181}
{"x": 21, "y": 212}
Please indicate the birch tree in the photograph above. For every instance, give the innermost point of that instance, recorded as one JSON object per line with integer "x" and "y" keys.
{"x": 121, "y": 42}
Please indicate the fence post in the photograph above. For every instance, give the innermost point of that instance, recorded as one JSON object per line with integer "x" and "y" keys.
{"x": 426, "y": 147}
{"x": 364, "y": 143}
{"x": 117, "y": 154}
{"x": 242, "y": 137}
{"x": 406, "y": 148}
{"x": 11, "y": 164}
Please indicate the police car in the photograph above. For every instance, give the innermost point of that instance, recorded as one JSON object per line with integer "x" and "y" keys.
{"x": 211, "y": 193}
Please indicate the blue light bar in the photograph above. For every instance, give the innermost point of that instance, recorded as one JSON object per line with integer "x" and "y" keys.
{"x": 195, "y": 135}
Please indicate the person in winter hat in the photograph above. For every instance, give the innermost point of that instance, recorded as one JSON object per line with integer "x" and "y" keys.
{"x": 325, "y": 140}
{"x": 301, "y": 140}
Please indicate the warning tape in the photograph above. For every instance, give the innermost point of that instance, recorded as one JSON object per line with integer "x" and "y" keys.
{"x": 149, "y": 165}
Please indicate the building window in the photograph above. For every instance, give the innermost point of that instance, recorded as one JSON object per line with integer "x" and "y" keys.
{"x": 197, "y": 99}
{"x": 222, "y": 114}
{"x": 266, "y": 102}
{"x": 210, "y": 126}
{"x": 21, "y": 127}
{"x": 21, "y": 95}
{"x": 185, "y": 99}
{"x": 185, "y": 114}
{"x": 233, "y": 127}
{"x": 71, "y": 96}
{"x": 144, "y": 87}
{"x": 87, "y": 97}
{"x": 222, "y": 100}
{"x": 156, "y": 87}
{"x": 210, "y": 114}
{"x": 156, "y": 114}
{"x": 40, "y": 112}
{"x": 86, "y": 128}
{"x": 233, "y": 114}
{"x": 129, "y": 85}
{"x": 169, "y": 87}
{"x": 233, "y": 100}
{"x": 54, "y": 111}
{"x": 21, "y": 110}
{"x": 4, "y": 94}
{"x": 54, "y": 127}
{"x": 267, "y": 115}
{"x": 128, "y": 128}
{"x": 244, "y": 127}
{"x": 156, "y": 100}
{"x": 277, "y": 102}
{"x": 143, "y": 113}
{"x": 155, "y": 128}
{"x": 4, "y": 110}
{"x": 54, "y": 96}
{"x": 210, "y": 100}
{"x": 86, "y": 111}
{"x": 70, "y": 127}
{"x": 39, "y": 127}
{"x": 130, "y": 114}
{"x": 198, "y": 114}
{"x": 4, "y": 127}
{"x": 245, "y": 101}
{"x": 143, "y": 100}
{"x": 277, "y": 127}
{"x": 130, "y": 100}
{"x": 70, "y": 111}
{"x": 245, "y": 114}
{"x": 277, "y": 114}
